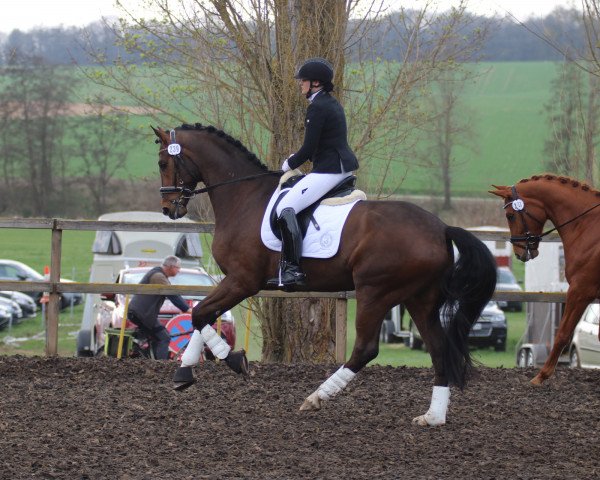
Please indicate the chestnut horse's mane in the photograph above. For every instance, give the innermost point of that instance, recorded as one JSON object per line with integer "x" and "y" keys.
{"x": 564, "y": 180}
{"x": 229, "y": 139}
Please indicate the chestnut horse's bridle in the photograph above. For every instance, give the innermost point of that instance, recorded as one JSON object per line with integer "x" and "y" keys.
{"x": 532, "y": 241}
{"x": 174, "y": 150}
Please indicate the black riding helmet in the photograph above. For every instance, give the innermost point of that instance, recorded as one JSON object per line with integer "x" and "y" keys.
{"x": 316, "y": 69}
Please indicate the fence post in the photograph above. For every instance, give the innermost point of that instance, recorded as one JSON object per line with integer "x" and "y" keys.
{"x": 53, "y": 306}
{"x": 341, "y": 312}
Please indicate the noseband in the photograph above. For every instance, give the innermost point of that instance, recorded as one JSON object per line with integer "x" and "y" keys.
{"x": 174, "y": 150}
{"x": 532, "y": 241}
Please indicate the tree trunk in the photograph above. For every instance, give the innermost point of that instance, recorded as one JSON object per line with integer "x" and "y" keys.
{"x": 300, "y": 330}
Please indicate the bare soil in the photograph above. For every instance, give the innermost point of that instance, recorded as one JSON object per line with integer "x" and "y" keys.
{"x": 70, "y": 418}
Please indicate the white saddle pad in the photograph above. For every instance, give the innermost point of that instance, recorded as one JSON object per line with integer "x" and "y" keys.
{"x": 322, "y": 243}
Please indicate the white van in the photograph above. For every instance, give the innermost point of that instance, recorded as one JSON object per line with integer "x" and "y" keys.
{"x": 116, "y": 250}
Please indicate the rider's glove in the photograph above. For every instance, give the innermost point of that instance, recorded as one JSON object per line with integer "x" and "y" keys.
{"x": 284, "y": 166}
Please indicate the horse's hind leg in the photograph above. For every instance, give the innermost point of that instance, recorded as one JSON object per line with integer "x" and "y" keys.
{"x": 577, "y": 302}
{"x": 425, "y": 315}
{"x": 369, "y": 317}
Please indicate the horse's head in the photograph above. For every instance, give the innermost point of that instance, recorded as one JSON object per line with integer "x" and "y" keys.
{"x": 177, "y": 182}
{"x": 526, "y": 218}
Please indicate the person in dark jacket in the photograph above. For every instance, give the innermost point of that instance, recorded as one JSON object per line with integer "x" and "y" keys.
{"x": 144, "y": 309}
{"x": 326, "y": 146}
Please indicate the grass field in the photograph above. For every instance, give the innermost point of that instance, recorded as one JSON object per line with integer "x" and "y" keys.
{"x": 506, "y": 101}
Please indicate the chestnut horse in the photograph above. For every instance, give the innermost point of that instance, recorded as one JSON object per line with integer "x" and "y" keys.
{"x": 571, "y": 206}
{"x": 390, "y": 253}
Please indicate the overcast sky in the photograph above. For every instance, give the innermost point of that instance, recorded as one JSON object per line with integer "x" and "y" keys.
{"x": 27, "y": 14}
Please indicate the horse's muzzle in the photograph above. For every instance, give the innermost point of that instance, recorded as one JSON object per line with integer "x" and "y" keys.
{"x": 527, "y": 255}
{"x": 175, "y": 211}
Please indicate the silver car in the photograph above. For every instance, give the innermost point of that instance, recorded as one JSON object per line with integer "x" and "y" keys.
{"x": 585, "y": 346}
{"x": 506, "y": 282}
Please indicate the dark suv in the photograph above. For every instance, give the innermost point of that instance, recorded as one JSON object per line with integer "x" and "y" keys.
{"x": 489, "y": 331}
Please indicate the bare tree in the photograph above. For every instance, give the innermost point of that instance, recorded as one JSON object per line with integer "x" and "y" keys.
{"x": 451, "y": 126}
{"x": 231, "y": 63}
{"x": 33, "y": 99}
{"x": 572, "y": 113}
{"x": 101, "y": 150}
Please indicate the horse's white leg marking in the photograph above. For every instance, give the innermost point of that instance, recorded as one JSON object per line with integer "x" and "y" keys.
{"x": 192, "y": 353}
{"x": 436, "y": 415}
{"x": 217, "y": 345}
{"x": 328, "y": 389}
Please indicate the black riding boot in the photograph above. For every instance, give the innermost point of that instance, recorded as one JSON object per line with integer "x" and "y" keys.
{"x": 290, "y": 274}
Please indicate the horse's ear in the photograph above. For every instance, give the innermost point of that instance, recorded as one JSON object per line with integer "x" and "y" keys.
{"x": 501, "y": 191}
{"x": 161, "y": 134}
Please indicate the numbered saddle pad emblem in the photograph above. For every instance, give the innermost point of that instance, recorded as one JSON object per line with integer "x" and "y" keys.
{"x": 174, "y": 149}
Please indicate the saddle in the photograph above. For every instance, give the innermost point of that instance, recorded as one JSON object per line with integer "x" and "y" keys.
{"x": 306, "y": 216}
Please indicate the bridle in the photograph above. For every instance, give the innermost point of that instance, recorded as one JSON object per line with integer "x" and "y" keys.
{"x": 532, "y": 241}
{"x": 185, "y": 193}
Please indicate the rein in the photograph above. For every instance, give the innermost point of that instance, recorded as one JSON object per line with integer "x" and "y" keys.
{"x": 187, "y": 193}
{"x": 530, "y": 239}
{"x": 174, "y": 150}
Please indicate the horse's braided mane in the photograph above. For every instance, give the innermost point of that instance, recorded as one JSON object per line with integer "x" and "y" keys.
{"x": 564, "y": 180}
{"x": 229, "y": 139}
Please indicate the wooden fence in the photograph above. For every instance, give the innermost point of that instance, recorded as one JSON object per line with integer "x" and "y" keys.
{"x": 55, "y": 287}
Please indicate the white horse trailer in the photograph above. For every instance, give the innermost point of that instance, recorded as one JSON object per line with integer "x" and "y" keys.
{"x": 501, "y": 249}
{"x": 115, "y": 250}
{"x": 545, "y": 273}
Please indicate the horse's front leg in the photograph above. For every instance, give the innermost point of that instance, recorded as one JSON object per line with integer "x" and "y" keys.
{"x": 576, "y": 303}
{"x": 224, "y": 297}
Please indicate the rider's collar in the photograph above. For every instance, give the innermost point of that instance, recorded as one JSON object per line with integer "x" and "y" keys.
{"x": 312, "y": 97}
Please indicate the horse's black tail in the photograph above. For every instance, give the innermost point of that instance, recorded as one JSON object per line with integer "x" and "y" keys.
{"x": 468, "y": 287}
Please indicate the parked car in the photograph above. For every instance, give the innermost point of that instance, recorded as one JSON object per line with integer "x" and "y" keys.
{"x": 585, "y": 346}
{"x": 110, "y": 312}
{"x": 14, "y": 309}
{"x": 490, "y": 330}
{"x": 14, "y": 271}
{"x": 5, "y": 316}
{"x": 27, "y": 304}
{"x": 506, "y": 282}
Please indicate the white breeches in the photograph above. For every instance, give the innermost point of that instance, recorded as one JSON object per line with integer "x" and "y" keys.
{"x": 308, "y": 190}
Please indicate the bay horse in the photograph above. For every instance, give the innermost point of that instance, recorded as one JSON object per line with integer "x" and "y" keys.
{"x": 390, "y": 253}
{"x": 571, "y": 206}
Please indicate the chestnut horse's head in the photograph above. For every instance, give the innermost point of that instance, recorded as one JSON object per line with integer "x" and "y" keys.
{"x": 177, "y": 182}
{"x": 526, "y": 218}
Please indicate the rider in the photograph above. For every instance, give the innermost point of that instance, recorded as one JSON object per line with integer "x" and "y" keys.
{"x": 326, "y": 145}
{"x": 143, "y": 309}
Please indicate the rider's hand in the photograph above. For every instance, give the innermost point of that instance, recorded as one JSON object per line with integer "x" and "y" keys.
{"x": 284, "y": 166}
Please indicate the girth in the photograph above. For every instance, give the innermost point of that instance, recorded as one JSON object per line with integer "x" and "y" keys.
{"x": 306, "y": 216}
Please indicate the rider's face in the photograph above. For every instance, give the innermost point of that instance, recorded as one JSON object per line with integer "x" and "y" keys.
{"x": 304, "y": 86}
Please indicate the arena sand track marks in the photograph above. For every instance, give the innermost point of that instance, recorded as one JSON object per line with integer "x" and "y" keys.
{"x": 103, "y": 418}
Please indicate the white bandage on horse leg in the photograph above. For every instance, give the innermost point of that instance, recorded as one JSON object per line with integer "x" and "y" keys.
{"x": 336, "y": 383}
{"x": 440, "y": 398}
{"x": 192, "y": 353}
{"x": 217, "y": 345}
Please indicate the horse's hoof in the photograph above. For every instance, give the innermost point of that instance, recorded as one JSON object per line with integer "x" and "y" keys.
{"x": 428, "y": 421}
{"x": 537, "y": 381}
{"x": 312, "y": 402}
{"x": 183, "y": 378}
{"x": 238, "y": 362}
